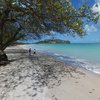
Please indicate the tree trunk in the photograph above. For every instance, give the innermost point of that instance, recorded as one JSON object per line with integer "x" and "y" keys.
{"x": 3, "y": 58}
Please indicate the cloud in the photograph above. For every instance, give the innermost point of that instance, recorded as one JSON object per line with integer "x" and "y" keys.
{"x": 94, "y": 27}
{"x": 90, "y": 29}
{"x": 96, "y": 7}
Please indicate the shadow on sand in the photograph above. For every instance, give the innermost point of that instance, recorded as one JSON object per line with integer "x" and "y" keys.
{"x": 41, "y": 71}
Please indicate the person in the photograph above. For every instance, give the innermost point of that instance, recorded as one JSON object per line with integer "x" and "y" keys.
{"x": 29, "y": 51}
{"x": 34, "y": 51}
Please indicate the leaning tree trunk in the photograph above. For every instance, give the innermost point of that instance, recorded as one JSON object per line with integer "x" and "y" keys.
{"x": 3, "y": 58}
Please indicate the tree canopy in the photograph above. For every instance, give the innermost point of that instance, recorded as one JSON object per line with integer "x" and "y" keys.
{"x": 18, "y": 18}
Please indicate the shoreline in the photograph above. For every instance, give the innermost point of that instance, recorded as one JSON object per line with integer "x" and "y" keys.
{"x": 59, "y": 58}
{"x": 41, "y": 77}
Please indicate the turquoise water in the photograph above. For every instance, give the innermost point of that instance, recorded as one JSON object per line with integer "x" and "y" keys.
{"x": 82, "y": 55}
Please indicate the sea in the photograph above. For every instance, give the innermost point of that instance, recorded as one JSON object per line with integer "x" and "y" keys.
{"x": 84, "y": 55}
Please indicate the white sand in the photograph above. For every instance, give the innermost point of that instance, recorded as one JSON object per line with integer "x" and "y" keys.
{"x": 84, "y": 87}
{"x": 40, "y": 77}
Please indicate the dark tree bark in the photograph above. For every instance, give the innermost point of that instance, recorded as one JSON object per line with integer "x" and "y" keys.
{"x": 3, "y": 58}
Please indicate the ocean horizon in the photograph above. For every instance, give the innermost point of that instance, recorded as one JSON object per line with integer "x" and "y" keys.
{"x": 84, "y": 55}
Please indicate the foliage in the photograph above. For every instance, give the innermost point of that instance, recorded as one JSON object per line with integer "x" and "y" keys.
{"x": 18, "y": 18}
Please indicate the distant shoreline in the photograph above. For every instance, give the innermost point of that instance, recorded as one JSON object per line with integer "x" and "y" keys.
{"x": 53, "y": 50}
{"x": 22, "y": 43}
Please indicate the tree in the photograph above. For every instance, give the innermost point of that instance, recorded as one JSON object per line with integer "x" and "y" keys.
{"x": 19, "y": 18}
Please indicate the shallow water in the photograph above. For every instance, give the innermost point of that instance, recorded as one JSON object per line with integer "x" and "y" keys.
{"x": 81, "y": 55}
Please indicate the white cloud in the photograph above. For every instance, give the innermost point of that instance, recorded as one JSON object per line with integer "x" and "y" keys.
{"x": 96, "y": 7}
{"x": 90, "y": 29}
{"x": 94, "y": 27}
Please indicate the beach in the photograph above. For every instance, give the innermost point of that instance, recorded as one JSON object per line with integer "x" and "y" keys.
{"x": 42, "y": 77}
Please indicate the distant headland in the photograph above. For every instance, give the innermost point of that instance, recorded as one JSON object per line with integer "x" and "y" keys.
{"x": 50, "y": 41}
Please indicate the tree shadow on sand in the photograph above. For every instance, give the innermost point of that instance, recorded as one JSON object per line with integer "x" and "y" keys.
{"x": 40, "y": 71}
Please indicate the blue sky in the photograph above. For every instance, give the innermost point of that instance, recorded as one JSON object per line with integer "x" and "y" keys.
{"x": 92, "y": 30}
{"x": 78, "y": 3}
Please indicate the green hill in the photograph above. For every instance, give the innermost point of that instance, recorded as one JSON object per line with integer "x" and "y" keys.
{"x": 56, "y": 41}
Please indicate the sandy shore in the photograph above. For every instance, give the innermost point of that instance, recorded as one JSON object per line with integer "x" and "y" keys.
{"x": 39, "y": 77}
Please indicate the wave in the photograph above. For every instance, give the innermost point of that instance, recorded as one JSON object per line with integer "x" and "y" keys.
{"x": 70, "y": 60}
{"x": 81, "y": 63}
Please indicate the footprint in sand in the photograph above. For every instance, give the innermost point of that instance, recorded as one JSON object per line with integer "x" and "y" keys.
{"x": 92, "y": 90}
{"x": 76, "y": 82}
{"x": 34, "y": 95}
{"x": 54, "y": 97}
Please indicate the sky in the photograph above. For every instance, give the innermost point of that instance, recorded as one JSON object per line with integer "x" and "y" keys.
{"x": 92, "y": 30}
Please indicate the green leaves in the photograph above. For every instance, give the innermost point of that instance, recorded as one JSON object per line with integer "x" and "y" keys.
{"x": 42, "y": 16}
